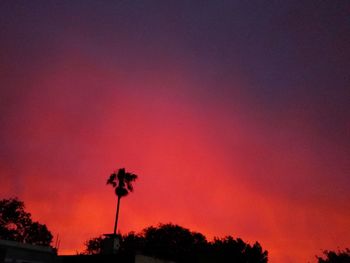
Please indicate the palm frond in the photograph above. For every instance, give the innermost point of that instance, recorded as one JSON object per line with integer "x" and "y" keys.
{"x": 121, "y": 174}
{"x": 130, "y": 177}
{"x": 111, "y": 180}
{"x": 122, "y": 182}
{"x": 129, "y": 186}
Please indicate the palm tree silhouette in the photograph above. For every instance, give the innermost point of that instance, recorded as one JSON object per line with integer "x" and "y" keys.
{"x": 122, "y": 184}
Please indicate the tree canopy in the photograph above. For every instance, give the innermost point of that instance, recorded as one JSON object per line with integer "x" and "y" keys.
{"x": 122, "y": 182}
{"x": 173, "y": 242}
{"x": 17, "y": 225}
{"x": 341, "y": 256}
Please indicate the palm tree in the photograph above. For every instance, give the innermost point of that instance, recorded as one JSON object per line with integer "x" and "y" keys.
{"x": 122, "y": 184}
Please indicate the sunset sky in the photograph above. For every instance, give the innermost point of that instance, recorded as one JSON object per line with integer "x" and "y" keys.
{"x": 234, "y": 114}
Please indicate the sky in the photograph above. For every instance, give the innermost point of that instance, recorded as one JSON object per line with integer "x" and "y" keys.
{"x": 234, "y": 114}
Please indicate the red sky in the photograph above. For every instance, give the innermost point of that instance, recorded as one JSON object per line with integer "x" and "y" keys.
{"x": 241, "y": 135}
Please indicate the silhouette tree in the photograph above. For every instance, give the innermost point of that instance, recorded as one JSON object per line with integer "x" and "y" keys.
{"x": 342, "y": 256}
{"x": 94, "y": 246}
{"x": 122, "y": 183}
{"x": 173, "y": 242}
{"x": 16, "y": 224}
{"x": 228, "y": 249}
{"x": 132, "y": 243}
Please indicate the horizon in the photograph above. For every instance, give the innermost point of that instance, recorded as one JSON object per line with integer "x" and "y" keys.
{"x": 235, "y": 115}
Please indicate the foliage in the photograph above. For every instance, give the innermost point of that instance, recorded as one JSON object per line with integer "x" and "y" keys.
{"x": 122, "y": 182}
{"x": 229, "y": 249}
{"x": 342, "y": 256}
{"x": 16, "y": 224}
{"x": 94, "y": 246}
{"x": 173, "y": 242}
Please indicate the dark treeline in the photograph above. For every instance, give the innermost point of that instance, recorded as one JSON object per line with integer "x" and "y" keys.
{"x": 173, "y": 242}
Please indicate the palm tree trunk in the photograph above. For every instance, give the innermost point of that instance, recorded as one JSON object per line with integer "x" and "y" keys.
{"x": 116, "y": 218}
